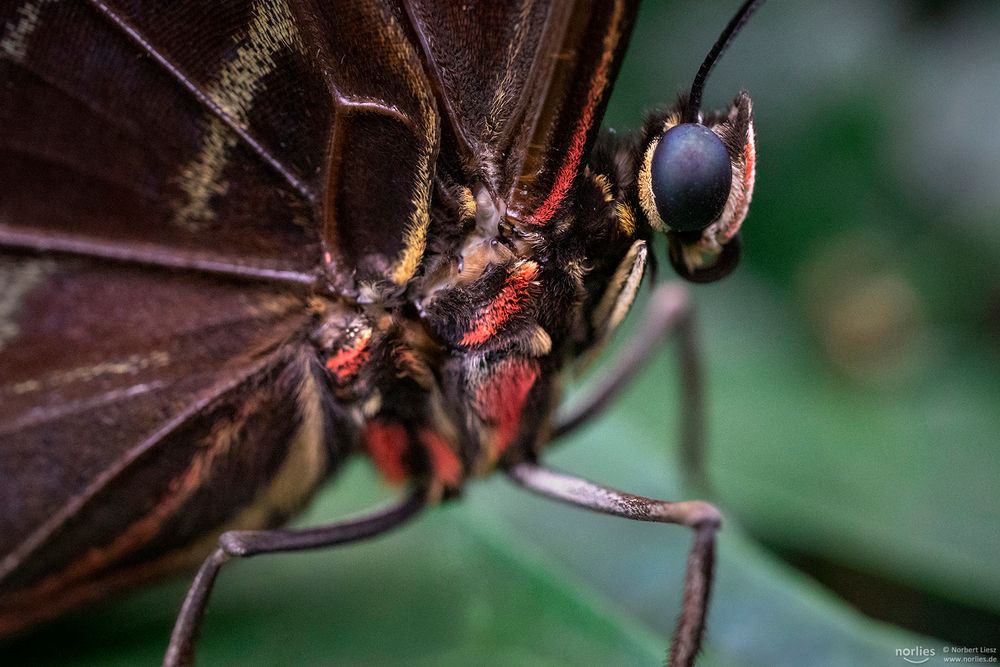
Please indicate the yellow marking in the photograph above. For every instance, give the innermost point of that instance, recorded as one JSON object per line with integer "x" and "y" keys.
{"x": 201, "y": 179}
{"x": 271, "y": 30}
{"x": 415, "y": 235}
{"x": 302, "y": 469}
{"x": 503, "y": 96}
{"x": 413, "y": 366}
{"x": 645, "y": 182}
{"x": 538, "y": 343}
{"x": 604, "y": 185}
{"x": 618, "y": 298}
{"x": 645, "y": 178}
{"x": 15, "y": 36}
{"x": 16, "y": 280}
{"x": 275, "y": 306}
{"x": 626, "y": 218}
{"x": 577, "y": 269}
{"x": 130, "y": 365}
{"x": 371, "y": 407}
{"x": 467, "y": 205}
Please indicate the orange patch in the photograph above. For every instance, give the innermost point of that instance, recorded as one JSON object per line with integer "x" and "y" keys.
{"x": 347, "y": 361}
{"x": 502, "y": 396}
{"x": 512, "y": 297}
{"x": 445, "y": 463}
{"x": 568, "y": 170}
{"x": 387, "y": 445}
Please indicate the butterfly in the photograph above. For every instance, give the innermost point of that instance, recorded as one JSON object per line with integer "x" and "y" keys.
{"x": 244, "y": 241}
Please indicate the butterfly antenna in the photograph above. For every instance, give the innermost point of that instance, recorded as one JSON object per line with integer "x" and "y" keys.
{"x": 735, "y": 25}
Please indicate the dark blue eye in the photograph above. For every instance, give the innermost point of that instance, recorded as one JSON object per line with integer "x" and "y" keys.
{"x": 691, "y": 175}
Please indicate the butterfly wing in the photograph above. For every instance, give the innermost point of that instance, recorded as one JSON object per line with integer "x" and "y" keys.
{"x": 241, "y": 137}
{"x": 522, "y": 87}
{"x": 175, "y": 174}
{"x": 153, "y": 154}
{"x": 142, "y": 411}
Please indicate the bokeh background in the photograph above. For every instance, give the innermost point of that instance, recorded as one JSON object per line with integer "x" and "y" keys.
{"x": 853, "y": 396}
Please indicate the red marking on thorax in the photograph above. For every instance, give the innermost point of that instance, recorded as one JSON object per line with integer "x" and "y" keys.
{"x": 387, "y": 445}
{"x": 502, "y": 396}
{"x": 569, "y": 167}
{"x": 512, "y": 297}
{"x": 446, "y": 465}
{"x": 347, "y": 361}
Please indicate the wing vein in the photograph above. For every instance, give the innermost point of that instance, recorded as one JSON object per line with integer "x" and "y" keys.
{"x": 38, "y": 538}
{"x": 436, "y": 78}
{"x": 145, "y": 254}
{"x": 130, "y": 31}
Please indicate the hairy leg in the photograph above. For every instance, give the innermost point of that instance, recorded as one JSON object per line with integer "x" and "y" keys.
{"x": 700, "y": 516}
{"x": 246, "y": 543}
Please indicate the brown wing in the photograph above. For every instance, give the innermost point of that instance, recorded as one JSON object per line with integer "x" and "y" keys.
{"x": 150, "y": 153}
{"x": 112, "y": 146}
{"x": 141, "y": 411}
{"x": 235, "y": 136}
{"x": 523, "y": 85}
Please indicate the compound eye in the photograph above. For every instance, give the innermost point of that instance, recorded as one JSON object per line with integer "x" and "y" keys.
{"x": 691, "y": 175}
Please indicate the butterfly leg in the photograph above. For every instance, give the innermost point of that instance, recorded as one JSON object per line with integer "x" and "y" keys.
{"x": 669, "y": 312}
{"x": 246, "y": 543}
{"x": 700, "y": 516}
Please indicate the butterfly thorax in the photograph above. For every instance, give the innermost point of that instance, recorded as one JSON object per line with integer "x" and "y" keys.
{"x": 457, "y": 371}
{"x": 460, "y": 373}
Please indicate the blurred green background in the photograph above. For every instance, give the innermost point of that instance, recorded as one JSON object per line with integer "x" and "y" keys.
{"x": 854, "y": 403}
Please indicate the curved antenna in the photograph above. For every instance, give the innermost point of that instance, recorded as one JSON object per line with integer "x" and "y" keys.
{"x": 734, "y": 26}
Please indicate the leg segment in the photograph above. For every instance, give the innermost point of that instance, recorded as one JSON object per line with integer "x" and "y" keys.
{"x": 246, "y": 543}
{"x": 669, "y": 311}
{"x": 702, "y": 517}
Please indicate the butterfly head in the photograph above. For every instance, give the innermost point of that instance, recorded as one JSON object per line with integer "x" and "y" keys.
{"x": 695, "y": 180}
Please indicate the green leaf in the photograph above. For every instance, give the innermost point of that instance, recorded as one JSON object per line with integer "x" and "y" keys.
{"x": 437, "y": 592}
{"x": 500, "y": 579}
{"x": 899, "y": 481}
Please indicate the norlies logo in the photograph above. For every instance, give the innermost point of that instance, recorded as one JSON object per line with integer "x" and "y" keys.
{"x": 916, "y": 655}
